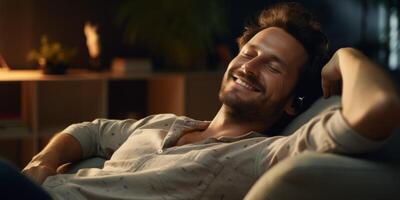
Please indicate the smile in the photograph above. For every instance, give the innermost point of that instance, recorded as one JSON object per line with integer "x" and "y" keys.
{"x": 245, "y": 84}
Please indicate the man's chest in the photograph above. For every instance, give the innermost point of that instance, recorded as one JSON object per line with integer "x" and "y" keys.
{"x": 148, "y": 151}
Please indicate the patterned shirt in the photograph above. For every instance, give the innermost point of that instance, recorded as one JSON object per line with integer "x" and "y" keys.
{"x": 144, "y": 163}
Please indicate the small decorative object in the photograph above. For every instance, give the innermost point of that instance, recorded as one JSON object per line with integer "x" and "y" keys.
{"x": 52, "y": 57}
{"x": 131, "y": 65}
{"x": 93, "y": 45}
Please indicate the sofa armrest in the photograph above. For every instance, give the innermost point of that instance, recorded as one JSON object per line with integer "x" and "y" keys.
{"x": 326, "y": 176}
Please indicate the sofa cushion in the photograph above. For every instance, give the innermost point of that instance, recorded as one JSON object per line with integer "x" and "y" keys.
{"x": 318, "y": 107}
{"x": 326, "y": 176}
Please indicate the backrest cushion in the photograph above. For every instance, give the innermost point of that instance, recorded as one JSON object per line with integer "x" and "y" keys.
{"x": 318, "y": 107}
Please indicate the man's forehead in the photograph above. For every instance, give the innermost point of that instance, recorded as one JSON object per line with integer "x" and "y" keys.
{"x": 270, "y": 34}
{"x": 277, "y": 41}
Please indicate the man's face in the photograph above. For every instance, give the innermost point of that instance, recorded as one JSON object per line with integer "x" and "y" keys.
{"x": 260, "y": 79}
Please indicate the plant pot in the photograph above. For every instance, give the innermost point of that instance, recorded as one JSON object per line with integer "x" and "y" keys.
{"x": 54, "y": 69}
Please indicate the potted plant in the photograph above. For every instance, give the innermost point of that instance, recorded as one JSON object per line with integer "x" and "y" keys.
{"x": 52, "y": 57}
{"x": 179, "y": 34}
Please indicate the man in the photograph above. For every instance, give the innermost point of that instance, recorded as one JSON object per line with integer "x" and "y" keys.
{"x": 170, "y": 157}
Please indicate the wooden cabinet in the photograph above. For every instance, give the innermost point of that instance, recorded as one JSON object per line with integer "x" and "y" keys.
{"x": 42, "y": 105}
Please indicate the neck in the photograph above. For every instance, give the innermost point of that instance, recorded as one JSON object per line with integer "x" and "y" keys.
{"x": 227, "y": 123}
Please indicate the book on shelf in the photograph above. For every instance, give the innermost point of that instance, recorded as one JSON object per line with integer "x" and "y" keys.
{"x": 131, "y": 65}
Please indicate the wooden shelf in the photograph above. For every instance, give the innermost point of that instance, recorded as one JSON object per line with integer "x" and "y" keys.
{"x": 14, "y": 131}
{"x": 49, "y": 103}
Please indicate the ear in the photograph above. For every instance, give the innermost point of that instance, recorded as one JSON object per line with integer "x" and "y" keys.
{"x": 290, "y": 108}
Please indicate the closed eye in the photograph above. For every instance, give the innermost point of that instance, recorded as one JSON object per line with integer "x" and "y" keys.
{"x": 273, "y": 69}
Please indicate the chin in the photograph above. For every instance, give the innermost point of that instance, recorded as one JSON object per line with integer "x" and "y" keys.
{"x": 234, "y": 98}
{"x": 249, "y": 110}
{"x": 234, "y": 102}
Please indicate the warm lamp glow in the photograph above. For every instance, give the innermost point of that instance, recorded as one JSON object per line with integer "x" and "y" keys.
{"x": 92, "y": 40}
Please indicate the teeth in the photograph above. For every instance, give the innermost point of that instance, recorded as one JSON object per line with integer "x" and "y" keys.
{"x": 244, "y": 84}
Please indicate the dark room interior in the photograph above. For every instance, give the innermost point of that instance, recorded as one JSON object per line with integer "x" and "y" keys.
{"x": 64, "y": 62}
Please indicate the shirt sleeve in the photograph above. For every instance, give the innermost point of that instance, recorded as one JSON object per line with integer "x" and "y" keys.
{"x": 328, "y": 133}
{"x": 101, "y": 137}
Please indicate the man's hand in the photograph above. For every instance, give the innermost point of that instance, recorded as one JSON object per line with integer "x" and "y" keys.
{"x": 42, "y": 166}
{"x": 370, "y": 100}
{"x": 38, "y": 172}
{"x": 331, "y": 77}
{"x": 63, "y": 148}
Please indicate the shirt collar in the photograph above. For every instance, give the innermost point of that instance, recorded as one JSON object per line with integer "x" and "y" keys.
{"x": 180, "y": 126}
{"x": 251, "y": 134}
{"x": 184, "y": 124}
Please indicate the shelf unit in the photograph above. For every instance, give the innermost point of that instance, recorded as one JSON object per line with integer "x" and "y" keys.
{"x": 49, "y": 103}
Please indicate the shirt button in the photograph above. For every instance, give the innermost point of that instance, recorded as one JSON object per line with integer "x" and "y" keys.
{"x": 160, "y": 151}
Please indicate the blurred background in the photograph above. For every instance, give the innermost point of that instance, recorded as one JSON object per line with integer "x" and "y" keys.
{"x": 170, "y": 55}
{"x": 182, "y": 35}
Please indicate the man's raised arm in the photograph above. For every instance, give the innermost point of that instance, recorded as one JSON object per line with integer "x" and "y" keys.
{"x": 370, "y": 100}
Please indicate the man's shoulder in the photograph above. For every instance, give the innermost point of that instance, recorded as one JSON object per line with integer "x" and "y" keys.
{"x": 160, "y": 117}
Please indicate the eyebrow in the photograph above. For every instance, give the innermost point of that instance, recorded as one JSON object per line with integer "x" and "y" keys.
{"x": 271, "y": 56}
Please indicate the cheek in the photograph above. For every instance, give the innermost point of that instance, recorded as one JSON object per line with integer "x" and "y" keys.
{"x": 227, "y": 71}
{"x": 277, "y": 87}
{"x": 233, "y": 65}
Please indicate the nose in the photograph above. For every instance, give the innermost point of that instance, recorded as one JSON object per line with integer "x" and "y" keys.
{"x": 249, "y": 68}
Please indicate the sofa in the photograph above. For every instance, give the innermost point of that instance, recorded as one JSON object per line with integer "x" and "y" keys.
{"x": 312, "y": 175}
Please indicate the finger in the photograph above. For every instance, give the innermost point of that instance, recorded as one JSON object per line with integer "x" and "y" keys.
{"x": 31, "y": 175}
{"x": 27, "y": 173}
{"x": 38, "y": 174}
{"x": 40, "y": 179}
{"x": 41, "y": 176}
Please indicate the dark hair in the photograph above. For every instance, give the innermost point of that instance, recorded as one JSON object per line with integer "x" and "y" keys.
{"x": 298, "y": 22}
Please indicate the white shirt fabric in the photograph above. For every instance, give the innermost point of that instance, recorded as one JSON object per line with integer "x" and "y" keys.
{"x": 144, "y": 163}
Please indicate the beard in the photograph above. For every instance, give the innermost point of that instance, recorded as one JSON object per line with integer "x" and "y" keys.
{"x": 252, "y": 106}
{"x": 252, "y": 109}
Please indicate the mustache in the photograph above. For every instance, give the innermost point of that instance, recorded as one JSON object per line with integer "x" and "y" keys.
{"x": 250, "y": 78}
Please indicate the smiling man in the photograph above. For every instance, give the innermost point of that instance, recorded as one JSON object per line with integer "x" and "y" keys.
{"x": 259, "y": 82}
{"x": 271, "y": 80}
